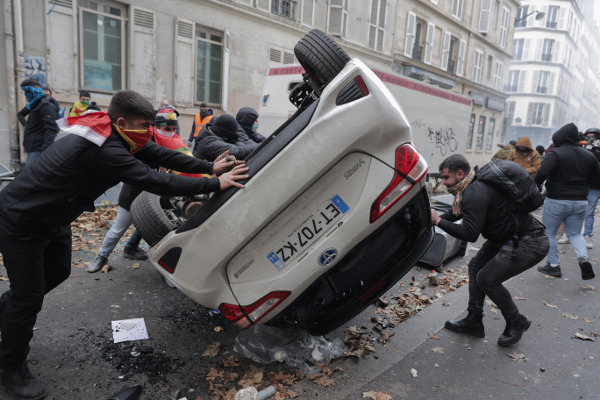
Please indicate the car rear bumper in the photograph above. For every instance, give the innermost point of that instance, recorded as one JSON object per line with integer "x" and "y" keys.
{"x": 365, "y": 273}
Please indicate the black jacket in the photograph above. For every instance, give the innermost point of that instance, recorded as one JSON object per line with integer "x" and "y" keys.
{"x": 569, "y": 169}
{"x": 41, "y": 128}
{"x": 485, "y": 212}
{"x": 209, "y": 146}
{"x": 65, "y": 180}
{"x": 25, "y": 111}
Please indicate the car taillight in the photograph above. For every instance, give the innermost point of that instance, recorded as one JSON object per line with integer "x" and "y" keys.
{"x": 246, "y": 316}
{"x": 170, "y": 259}
{"x": 410, "y": 168}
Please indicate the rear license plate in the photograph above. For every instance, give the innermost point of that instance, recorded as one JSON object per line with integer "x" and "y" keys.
{"x": 308, "y": 231}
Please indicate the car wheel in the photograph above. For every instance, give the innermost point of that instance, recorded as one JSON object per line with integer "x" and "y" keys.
{"x": 321, "y": 57}
{"x": 150, "y": 218}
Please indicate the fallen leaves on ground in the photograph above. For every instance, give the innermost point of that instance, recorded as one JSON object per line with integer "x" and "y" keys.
{"x": 433, "y": 335}
{"x": 570, "y": 316}
{"x": 588, "y": 287}
{"x": 549, "y": 305}
{"x": 212, "y": 350}
{"x": 517, "y": 357}
{"x": 105, "y": 269}
{"x": 438, "y": 350}
{"x": 376, "y": 395}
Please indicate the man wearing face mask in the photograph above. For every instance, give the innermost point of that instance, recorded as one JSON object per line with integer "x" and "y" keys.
{"x": 37, "y": 208}
{"x": 525, "y": 156}
{"x": 41, "y": 128}
{"x": 82, "y": 105}
{"x": 221, "y": 136}
{"x": 247, "y": 118}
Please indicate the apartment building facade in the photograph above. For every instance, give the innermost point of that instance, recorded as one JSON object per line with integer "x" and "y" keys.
{"x": 218, "y": 51}
{"x": 553, "y": 77}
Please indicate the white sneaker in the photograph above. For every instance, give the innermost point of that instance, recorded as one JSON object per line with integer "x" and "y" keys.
{"x": 563, "y": 240}
{"x": 588, "y": 242}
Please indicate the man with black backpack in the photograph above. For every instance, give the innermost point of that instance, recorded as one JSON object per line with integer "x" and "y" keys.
{"x": 497, "y": 207}
{"x": 568, "y": 171}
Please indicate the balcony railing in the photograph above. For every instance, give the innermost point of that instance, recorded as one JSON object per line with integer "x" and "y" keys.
{"x": 417, "y": 52}
{"x": 547, "y": 57}
{"x": 510, "y": 88}
{"x": 551, "y": 24}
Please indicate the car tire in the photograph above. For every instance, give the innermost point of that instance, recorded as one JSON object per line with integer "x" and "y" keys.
{"x": 321, "y": 57}
{"x": 150, "y": 219}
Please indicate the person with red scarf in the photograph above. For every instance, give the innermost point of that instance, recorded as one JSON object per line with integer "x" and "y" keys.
{"x": 37, "y": 208}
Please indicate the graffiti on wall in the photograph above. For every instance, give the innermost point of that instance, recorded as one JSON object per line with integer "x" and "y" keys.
{"x": 444, "y": 139}
{"x": 35, "y": 67}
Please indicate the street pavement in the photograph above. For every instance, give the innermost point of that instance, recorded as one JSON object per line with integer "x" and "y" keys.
{"x": 73, "y": 354}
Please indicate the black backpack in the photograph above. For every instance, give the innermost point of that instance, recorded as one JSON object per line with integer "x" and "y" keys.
{"x": 511, "y": 180}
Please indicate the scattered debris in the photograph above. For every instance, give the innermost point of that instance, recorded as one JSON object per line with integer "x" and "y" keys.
{"x": 517, "y": 357}
{"x": 376, "y": 395}
{"x": 583, "y": 336}
{"x": 129, "y": 330}
{"x": 438, "y": 350}
{"x": 549, "y": 305}
{"x": 413, "y": 372}
{"x": 588, "y": 287}
{"x": 570, "y": 316}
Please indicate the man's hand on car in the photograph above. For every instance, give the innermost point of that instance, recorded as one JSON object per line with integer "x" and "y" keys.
{"x": 224, "y": 163}
{"x": 435, "y": 218}
{"x": 230, "y": 178}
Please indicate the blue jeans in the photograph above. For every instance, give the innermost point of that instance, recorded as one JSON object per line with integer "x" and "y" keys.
{"x": 592, "y": 200}
{"x": 122, "y": 223}
{"x": 572, "y": 212}
{"x": 32, "y": 156}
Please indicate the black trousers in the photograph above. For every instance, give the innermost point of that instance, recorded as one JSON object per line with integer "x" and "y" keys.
{"x": 35, "y": 266}
{"x": 495, "y": 263}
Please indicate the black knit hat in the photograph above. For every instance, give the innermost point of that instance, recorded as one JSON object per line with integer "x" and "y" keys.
{"x": 226, "y": 127}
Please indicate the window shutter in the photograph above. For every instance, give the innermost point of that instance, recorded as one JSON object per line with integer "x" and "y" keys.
{"x": 484, "y": 16}
{"x": 530, "y": 113}
{"x": 410, "y": 34}
{"x": 538, "y": 50}
{"x": 429, "y": 42}
{"x": 522, "y": 77}
{"x": 460, "y": 67}
{"x": 263, "y": 5}
{"x": 275, "y": 55}
{"x": 185, "y": 62}
{"x": 534, "y": 81}
{"x": 546, "y": 116}
{"x": 288, "y": 57}
{"x": 526, "y": 47}
{"x": 446, "y": 50}
{"x": 308, "y": 9}
{"x": 561, "y": 18}
{"x": 142, "y": 52}
{"x": 556, "y": 54}
{"x": 62, "y": 51}
{"x": 225, "y": 82}
{"x": 551, "y": 79}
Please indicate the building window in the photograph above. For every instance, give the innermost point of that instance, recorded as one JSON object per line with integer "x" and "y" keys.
{"x": 477, "y": 66}
{"x": 513, "y": 81}
{"x": 480, "y": 131}
{"x": 449, "y": 50}
{"x": 521, "y": 21}
{"x": 102, "y": 44}
{"x": 377, "y": 24}
{"x": 498, "y": 70}
{"x": 284, "y": 8}
{"x": 542, "y": 83}
{"x": 308, "y": 12}
{"x": 209, "y": 66}
{"x": 484, "y": 16}
{"x": 457, "y": 8}
{"x": 518, "y": 49}
{"x": 490, "y": 135}
{"x": 504, "y": 26}
{"x": 547, "y": 50}
{"x": 552, "y": 17}
{"x": 338, "y": 17}
{"x": 537, "y": 114}
{"x": 469, "y": 143}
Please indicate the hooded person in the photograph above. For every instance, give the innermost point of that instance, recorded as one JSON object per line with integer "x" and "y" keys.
{"x": 247, "y": 118}
{"x": 219, "y": 136}
{"x": 41, "y": 129}
{"x": 524, "y": 155}
{"x": 569, "y": 170}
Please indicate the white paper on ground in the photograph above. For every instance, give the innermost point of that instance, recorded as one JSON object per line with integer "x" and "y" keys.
{"x": 129, "y": 329}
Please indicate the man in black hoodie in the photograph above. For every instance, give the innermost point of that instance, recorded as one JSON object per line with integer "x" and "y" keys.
{"x": 568, "y": 171}
{"x": 37, "y": 208}
{"x": 41, "y": 128}
{"x": 247, "y": 118}
{"x": 483, "y": 210}
{"x": 220, "y": 136}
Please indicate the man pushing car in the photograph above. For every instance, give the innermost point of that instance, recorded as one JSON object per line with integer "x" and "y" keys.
{"x": 37, "y": 208}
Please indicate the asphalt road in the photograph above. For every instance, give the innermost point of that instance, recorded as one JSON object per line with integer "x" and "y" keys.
{"x": 74, "y": 355}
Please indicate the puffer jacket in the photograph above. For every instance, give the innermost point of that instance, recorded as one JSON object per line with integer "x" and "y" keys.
{"x": 530, "y": 161}
{"x": 209, "y": 146}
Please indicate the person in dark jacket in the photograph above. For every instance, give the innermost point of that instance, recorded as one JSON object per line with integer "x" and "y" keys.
{"x": 247, "y": 119}
{"x": 482, "y": 209}
{"x": 41, "y": 128}
{"x": 221, "y": 136}
{"x": 568, "y": 171}
{"x": 38, "y": 206}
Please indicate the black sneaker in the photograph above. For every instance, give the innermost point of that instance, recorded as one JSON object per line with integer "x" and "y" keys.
{"x": 97, "y": 264}
{"x": 134, "y": 254}
{"x": 586, "y": 268}
{"x": 551, "y": 271}
{"x": 20, "y": 383}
